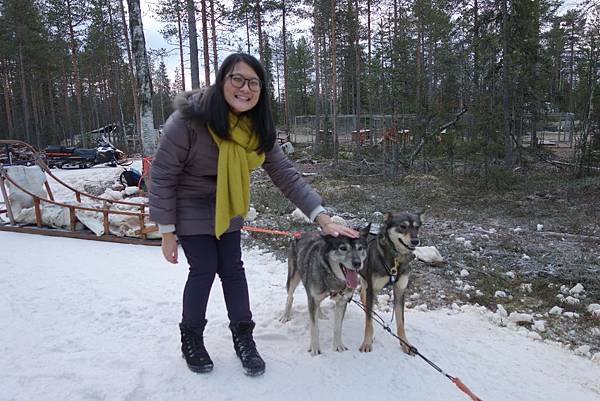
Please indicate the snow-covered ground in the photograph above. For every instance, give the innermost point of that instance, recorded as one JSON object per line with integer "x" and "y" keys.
{"x": 85, "y": 320}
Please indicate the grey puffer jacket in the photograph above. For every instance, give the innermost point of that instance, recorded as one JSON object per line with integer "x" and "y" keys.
{"x": 184, "y": 175}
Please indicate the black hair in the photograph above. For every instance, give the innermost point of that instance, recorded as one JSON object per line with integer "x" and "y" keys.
{"x": 213, "y": 107}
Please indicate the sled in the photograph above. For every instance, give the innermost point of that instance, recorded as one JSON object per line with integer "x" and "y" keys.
{"x": 72, "y": 212}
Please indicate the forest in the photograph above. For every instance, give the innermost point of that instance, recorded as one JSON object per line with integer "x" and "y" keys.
{"x": 470, "y": 82}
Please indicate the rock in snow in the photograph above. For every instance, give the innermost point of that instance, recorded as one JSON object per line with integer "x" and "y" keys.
{"x": 428, "y": 254}
{"x": 252, "y": 214}
{"x": 583, "y": 350}
{"x": 593, "y": 307}
{"x": 539, "y": 325}
{"x": 556, "y": 310}
{"x": 298, "y": 216}
{"x": 577, "y": 289}
{"x": 516, "y": 317}
{"x": 571, "y": 314}
{"x": 571, "y": 300}
{"x": 501, "y": 311}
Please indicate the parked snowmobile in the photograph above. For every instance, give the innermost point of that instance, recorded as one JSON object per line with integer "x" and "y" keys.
{"x": 68, "y": 157}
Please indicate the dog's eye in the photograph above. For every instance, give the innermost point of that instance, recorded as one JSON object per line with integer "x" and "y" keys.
{"x": 402, "y": 227}
{"x": 359, "y": 247}
{"x": 343, "y": 248}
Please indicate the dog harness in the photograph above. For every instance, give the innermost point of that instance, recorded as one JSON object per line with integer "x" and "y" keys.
{"x": 393, "y": 272}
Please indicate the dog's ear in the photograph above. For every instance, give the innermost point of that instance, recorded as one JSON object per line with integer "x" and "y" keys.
{"x": 387, "y": 217}
{"x": 365, "y": 230}
{"x": 421, "y": 213}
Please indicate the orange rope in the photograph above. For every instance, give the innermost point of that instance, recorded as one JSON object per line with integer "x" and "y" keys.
{"x": 267, "y": 231}
{"x": 465, "y": 389}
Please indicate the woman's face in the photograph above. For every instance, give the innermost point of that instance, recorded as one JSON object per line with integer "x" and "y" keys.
{"x": 241, "y": 99}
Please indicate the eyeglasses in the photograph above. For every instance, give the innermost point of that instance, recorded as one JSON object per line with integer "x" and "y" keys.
{"x": 238, "y": 81}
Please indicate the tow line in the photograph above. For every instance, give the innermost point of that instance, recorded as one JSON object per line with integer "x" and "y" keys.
{"x": 462, "y": 387}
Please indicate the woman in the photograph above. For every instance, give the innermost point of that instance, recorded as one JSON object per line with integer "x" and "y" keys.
{"x": 200, "y": 191}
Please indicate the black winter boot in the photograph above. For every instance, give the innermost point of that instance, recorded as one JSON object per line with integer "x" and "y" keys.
{"x": 245, "y": 348}
{"x": 192, "y": 349}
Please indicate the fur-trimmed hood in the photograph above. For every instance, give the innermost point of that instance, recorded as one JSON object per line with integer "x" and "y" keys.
{"x": 189, "y": 103}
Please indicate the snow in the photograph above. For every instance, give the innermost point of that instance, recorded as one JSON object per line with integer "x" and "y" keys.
{"x": 86, "y": 320}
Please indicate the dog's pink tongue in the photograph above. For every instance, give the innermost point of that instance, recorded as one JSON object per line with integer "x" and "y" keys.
{"x": 351, "y": 279}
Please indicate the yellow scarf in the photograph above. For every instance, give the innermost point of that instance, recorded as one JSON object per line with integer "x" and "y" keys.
{"x": 237, "y": 158}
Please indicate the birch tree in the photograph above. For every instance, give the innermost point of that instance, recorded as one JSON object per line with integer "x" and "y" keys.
{"x": 142, "y": 68}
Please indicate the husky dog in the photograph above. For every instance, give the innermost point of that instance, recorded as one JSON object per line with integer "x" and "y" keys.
{"x": 389, "y": 256}
{"x": 327, "y": 266}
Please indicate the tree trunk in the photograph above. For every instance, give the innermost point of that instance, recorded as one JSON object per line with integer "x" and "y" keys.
{"x": 205, "y": 43}
{"x": 247, "y": 27}
{"x": 116, "y": 73}
{"x": 138, "y": 43}
{"x": 52, "y": 110}
{"x": 369, "y": 69}
{"x": 334, "y": 82}
{"x": 35, "y": 113}
{"x": 317, "y": 41}
{"x": 68, "y": 124}
{"x": 420, "y": 69}
{"x": 24, "y": 98}
{"x": 261, "y": 46}
{"x": 213, "y": 28}
{"x": 75, "y": 64}
{"x": 286, "y": 111}
{"x": 193, "y": 38}
{"x": 132, "y": 77}
{"x": 508, "y": 156}
{"x": 7, "y": 101}
{"x": 357, "y": 79}
{"x": 180, "y": 38}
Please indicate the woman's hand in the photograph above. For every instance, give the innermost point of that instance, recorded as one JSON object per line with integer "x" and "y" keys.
{"x": 169, "y": 247}
{"x": 329, "y": 227}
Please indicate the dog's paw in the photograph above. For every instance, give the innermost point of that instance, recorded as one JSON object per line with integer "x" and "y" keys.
{"x": 285, "y": 318}
{"x": 366, "y": 347}
{"x": 339, "y": 347}
{"x": 314, "y": 351}
{"x": 408, "y": 350}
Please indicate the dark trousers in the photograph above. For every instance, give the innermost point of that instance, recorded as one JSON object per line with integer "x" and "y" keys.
{"x": 208, "y": 256}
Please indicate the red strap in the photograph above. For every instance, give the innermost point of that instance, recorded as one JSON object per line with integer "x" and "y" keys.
{"x": 267, "y": 231}
{"x": 465, "y": 389}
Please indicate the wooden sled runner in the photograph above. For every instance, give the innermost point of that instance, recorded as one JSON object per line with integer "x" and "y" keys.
{"x": 108, "y": 212}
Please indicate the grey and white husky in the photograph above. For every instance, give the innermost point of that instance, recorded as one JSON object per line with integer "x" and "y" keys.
{"x": 388, "y": 263}
{"x": 327, "y": 266}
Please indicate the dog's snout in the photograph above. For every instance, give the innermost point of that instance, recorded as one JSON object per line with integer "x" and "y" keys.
{"x": 414, "y": 241}
{"x": 356, "y": 264}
